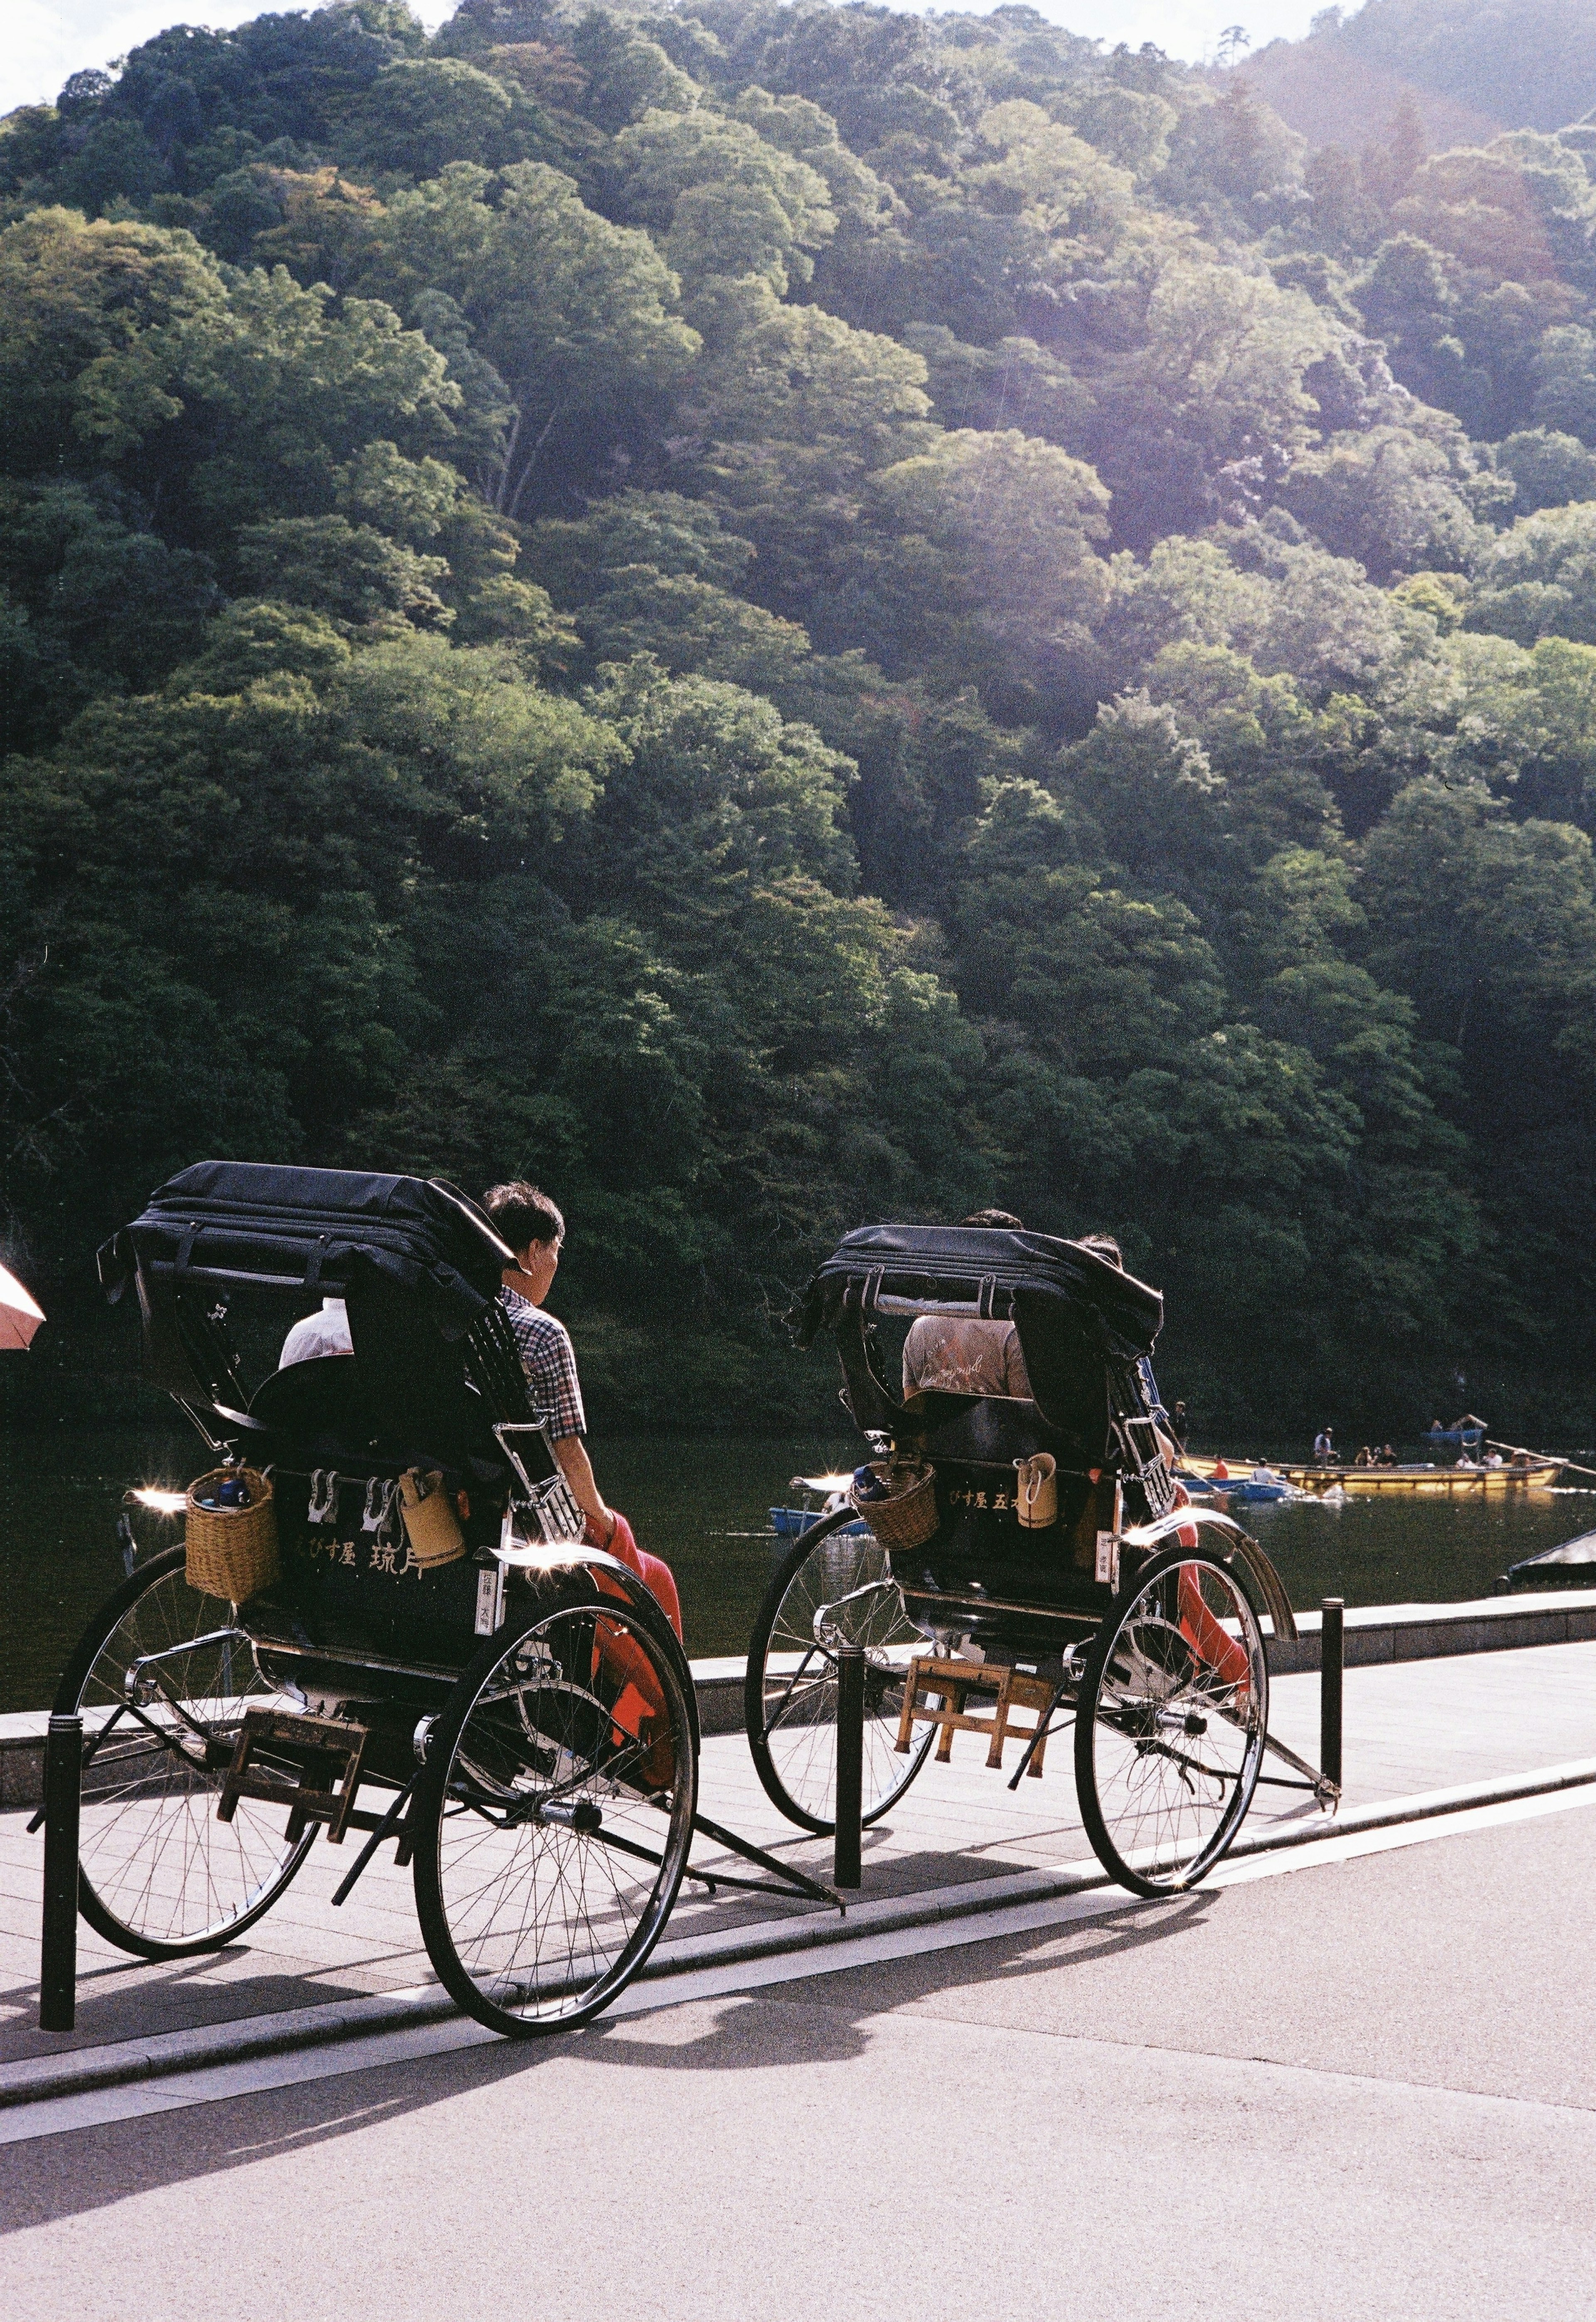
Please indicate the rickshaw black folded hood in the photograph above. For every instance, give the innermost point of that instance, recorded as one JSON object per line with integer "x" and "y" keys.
{"x": 417, "y": 1262}
{"x": 1038, "y": 1281}
{"x": 310, "y": 1230}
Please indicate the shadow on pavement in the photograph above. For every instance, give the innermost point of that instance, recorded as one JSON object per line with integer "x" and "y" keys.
{"x": 820, "y": 2019}
{"x": 139, "y": 1999}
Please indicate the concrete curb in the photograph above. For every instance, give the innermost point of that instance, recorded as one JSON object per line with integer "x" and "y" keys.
{"x": 39, "y": 2078}
{"x": 1377, "y": 1633}
{"x": 1374, "y": 1634}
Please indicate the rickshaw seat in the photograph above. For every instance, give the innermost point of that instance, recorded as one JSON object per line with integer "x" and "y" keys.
{"x": 323, "y": 1398}
{"x": 986, "y": 1430}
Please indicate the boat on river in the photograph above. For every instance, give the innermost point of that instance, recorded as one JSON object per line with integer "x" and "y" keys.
{"x": 821, "y": 1496}
{"x": 1461, "y": 1482}
{"x": 1258, "y": 1487}
{"x": 1466, "y": 1480}
{"x": 789, "y": 1524}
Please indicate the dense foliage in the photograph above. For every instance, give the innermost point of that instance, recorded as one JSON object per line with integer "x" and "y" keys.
{"x": 788, "y": 614}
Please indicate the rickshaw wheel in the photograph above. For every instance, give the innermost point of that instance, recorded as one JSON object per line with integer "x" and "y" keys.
{"x": 789, "y": 1703}
{"x": 555, "y": 1813}
{"x": 158, "y": 1874}
{"x": 1171, "y": 1724}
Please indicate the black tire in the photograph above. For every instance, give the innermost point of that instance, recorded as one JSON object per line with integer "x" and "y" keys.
{"x": 790, "y": 1714}
{"x": 159, "y": 1875}
{"x": 534, "y": 1920}
{"x": 1169, "y": 1737}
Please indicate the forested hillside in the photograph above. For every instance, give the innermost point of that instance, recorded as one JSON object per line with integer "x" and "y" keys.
{"x": 782, "y": 615}
{"x": 1470, "y": 67}
{"x": 1531, "y": 63}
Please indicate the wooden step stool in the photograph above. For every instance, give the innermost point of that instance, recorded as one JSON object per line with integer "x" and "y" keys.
{"x": 954, "y": 1681}
{"x": 315, "y": 1773}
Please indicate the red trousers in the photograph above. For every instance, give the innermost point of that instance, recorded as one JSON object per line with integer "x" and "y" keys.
{"x": 1216, "y": 1646}
{"x": 639, "y": 1705}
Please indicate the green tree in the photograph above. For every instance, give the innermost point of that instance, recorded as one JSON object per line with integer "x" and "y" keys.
{"x": 423, "y": 112}
{"x": 1548, "y": 469}
{"x": 577, "y": 315}
{"x": 1538, "y": 579}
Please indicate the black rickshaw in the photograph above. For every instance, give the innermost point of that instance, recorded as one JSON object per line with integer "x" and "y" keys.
{"x": 409, "y": 1616}
{"x": 1141, "y": 1621}
{"x": 383, "y": 1619}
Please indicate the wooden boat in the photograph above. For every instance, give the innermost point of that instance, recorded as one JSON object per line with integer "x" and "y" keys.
{"x": 822, "y": 1495}
{"x": 1453, "y": 1483}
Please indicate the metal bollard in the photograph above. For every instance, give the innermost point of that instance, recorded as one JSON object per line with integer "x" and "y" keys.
{"x": 58, "y": 1948}
{"x": 845, "y": 1847}
{"x": 1332, "y": 1660}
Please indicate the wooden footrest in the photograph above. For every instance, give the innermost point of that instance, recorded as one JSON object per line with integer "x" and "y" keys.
{"x": 310, "y": 1765}
{"x": 953, "y": 1682}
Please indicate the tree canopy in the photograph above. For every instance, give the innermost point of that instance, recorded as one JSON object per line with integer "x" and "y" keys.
{"x": 775, "y": 614}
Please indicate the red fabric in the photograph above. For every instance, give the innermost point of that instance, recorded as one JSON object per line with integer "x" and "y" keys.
{"x": 1198, "y": 1624}
{"x": 652, "y": 1569}
{"x": 639, "y": 1703}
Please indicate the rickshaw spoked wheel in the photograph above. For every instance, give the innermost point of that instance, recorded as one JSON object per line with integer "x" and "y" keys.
{"x": 158, "y": 1874}
{"x": 554, "y": 1814}
{"x": 789, "y": 1704}
{"x": 1171, "y": 1722}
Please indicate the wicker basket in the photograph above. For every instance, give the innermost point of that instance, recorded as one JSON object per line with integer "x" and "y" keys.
{"x": 431, "y": 1524}
{"x": 906, "y": 1518}
{"x": 231, "y": 1551}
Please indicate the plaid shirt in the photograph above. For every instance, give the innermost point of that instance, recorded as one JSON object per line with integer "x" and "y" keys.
{"x": 550, "y": 1364}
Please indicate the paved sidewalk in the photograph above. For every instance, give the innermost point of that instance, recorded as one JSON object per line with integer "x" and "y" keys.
{"x": 1410, "y": 1727}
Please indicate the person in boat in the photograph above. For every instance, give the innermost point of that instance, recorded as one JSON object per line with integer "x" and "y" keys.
{"x": 1365, "y": 1457}
{"x": 961, "y": 1354}
{"x": 1180, "y": 1425}
{"x": 1388, "y": 1458}
{"x": 1324, "y": 1449}
{"x": 1436, "y": 1427}
{"x": 533, "y": 1226}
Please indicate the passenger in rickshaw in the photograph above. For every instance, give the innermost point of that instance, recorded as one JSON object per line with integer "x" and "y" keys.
{"x": 535, "y": 1229}
{"x": 1198, "y": 1625}
{"x": 958, "y": 1354}
{"x": 1220, "y": 1651}
{"x": 317, "y": 1335}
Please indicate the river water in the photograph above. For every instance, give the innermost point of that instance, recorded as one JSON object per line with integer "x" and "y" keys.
{"x": 702, "y": 1503}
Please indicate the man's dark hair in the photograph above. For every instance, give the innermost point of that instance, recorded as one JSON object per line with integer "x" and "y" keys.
{"x": 523, "y": 1214}
{"x": 1004, "y": 1218}
{"x": 1102, "y": 1246}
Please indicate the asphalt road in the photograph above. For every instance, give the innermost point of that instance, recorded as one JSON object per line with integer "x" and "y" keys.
{"x": 1362, "y": 2089}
